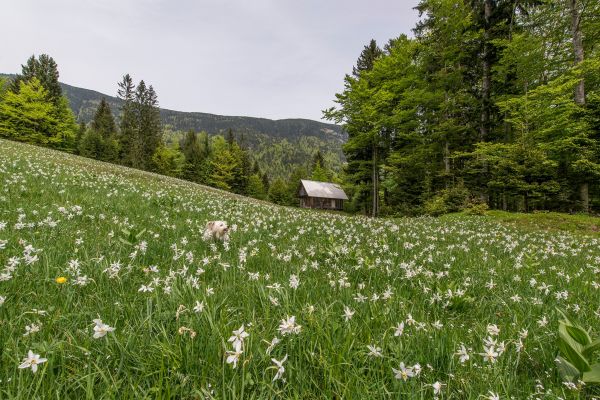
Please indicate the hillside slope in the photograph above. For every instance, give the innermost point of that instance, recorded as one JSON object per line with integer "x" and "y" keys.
{"x": 105, "y": 275}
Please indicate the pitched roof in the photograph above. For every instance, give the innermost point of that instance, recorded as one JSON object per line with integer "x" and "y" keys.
{"x": 323, "y": 189}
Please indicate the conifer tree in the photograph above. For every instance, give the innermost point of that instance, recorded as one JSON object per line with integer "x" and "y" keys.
{"x": 256, "y": 188}
{"x": 79, "y": 135}
{"x": 151, "y": 129}
{"x": 103, "y": 121}
{"x": 369, "y": 54}
{"x": 127, "y": 127}
{"x": 100, "y": 141}
{"x": 194, "y": 157}
{"x": 45, "y": 70}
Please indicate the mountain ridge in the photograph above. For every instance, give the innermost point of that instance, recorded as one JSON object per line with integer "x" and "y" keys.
{"x": 278, "y": 145}
{"x": 79, "y": 96}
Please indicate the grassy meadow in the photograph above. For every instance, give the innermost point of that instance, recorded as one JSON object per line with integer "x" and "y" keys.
{"x": 462, "y": 307}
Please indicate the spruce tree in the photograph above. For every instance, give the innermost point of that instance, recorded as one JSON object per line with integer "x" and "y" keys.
{"x": 127, "y": 127}
{"x": 369, "y": 54}
{"x": 45, "y": 69}
{"x": 137, "y": 146}
{"x": 152, "y": 128}
{"x": 103, "y": 121}
{"x": 230, "y": 138}
{"x": 80, "y": 133}
{"x": 193, "y": 156}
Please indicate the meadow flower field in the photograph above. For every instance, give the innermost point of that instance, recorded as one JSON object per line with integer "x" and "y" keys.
{"x": 108, "y": 290}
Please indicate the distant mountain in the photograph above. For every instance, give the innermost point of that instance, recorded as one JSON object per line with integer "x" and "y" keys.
{"x": 279, "y": 145}
{"x": 84, "y": 103}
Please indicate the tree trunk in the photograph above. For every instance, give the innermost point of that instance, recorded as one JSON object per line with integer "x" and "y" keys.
{"x": 584, "y": 195}
{"x": 447, "y": 158}
{"x": 584, "y": 192}
{"x": 375, "y": 211}
{"x": 486, "y": 81}
{"x": 577, "y": 49}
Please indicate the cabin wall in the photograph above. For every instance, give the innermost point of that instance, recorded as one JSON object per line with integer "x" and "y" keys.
{"x": 321, "y": 203}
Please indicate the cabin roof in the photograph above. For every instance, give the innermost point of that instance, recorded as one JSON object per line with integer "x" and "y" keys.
{"x": 323, "y": 189}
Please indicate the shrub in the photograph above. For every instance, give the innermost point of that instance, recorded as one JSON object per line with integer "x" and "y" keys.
{"x": 447, "y": 200}
{"x": 477, "y": 209}
{"x": 436, "y": 206}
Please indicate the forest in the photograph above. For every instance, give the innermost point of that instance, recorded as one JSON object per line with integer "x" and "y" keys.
{"x": 491, "y": 104}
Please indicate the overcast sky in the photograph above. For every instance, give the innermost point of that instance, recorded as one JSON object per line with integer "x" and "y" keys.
{"x": 261, "y": 58}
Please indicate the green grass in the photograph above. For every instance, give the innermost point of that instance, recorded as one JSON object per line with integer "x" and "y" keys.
{"x": 548, "y": 221}
{"x": 435, "y": 270}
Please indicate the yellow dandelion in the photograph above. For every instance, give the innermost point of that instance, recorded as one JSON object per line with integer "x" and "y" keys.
{"x": 61, "y": 280}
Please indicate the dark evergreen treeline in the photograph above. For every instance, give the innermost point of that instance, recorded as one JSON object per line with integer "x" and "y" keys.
{"x": 33, "y": 109}
{"x": 492, "y": 103}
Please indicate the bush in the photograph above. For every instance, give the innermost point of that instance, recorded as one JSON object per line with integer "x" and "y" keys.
{"x": 447, "y": 201}
{"x": 436, "y": 206}
{"x": 477, "y": 209}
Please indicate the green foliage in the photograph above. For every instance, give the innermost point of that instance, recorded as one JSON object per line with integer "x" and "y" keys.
{"x": 279, "y": 192}
{"x": 448, "y": 200}
{"x": 195, "y": 153}
{"x": 168, "y": 161}
{"x": 91, "y": 145}
{"x": 477, "y": 209}
{"x": 3, "y": 87}
{"x": 104, "y": 122}
{"x": 223, "y": 165}
{"x": 319, "y": 173}
{"x": 29, "y": 116}
{"x": 45, "y": 70}
{"x": 577, "y": 349}
{"x": 485, "y": 94}
{"x": 100, "y": 141}
{"x": 256, "y": 187}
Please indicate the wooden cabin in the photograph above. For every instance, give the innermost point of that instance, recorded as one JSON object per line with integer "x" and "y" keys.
{"x": 323, "y": 195}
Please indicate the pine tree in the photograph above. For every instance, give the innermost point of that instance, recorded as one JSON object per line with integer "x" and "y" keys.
{"x": 363, "y": 147}
{"x": 100, "y": 141}
{"x": 92, "y": 145}
{"x": 45, "y": 70}
{"x": 194, "y": 157}
{"x": 152, "y": 127}
{"x": 266, "y": 181}
{"x": 103, "y": 121}
{"x": 256, "y": 188}
{"x": 127, "y": 127}
{"x": 222, "y": 170}
{"x": 230, "y": 138}
{"x": 278, "y": 192}
{"x": 48, "y": 75}
{"x": 79, "y": 135}
{"x": 137, "y": 154}
{"x": 369, "y": 54}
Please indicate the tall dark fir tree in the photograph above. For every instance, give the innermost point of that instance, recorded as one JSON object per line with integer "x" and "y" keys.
{"x": 127, "y": 126}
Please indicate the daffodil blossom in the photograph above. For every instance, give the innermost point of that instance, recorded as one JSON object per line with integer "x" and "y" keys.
{"x": 404, "y": 372}
{"x": 101, "y": 329}
{"x": 279, "y": 366}
{"x": 237, "y": 339}
{"x": 233, "y": 357}
{"x": 32, "y": 361}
